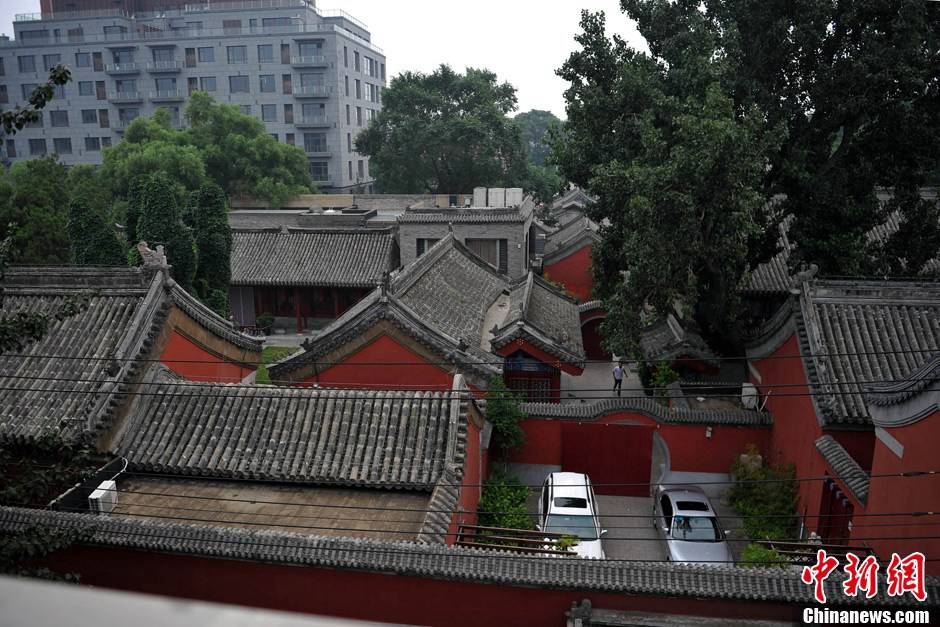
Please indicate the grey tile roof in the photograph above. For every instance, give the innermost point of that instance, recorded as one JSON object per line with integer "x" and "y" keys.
{"x": 542, "y": 315}
{"x": 648, "y": 407}
{"x": 121, "y": 311}
{"x": 918, "y": 381}
{"x": 471, "y": 215}
{"x": 348, "y": 437}
{"x": 574, "y": 197}
{"x": 857, "y": 333}
{"x": 454, "y": 563}
{"x": 326, "y": 257}
{"x": 845, "y": 467}
{"x": 668, "y": 339}
{"x": 570, "y": 238}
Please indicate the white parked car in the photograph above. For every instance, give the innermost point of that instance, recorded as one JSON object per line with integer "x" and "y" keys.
{"x": 567, "y": 506}
{"x": 687, "y": 523}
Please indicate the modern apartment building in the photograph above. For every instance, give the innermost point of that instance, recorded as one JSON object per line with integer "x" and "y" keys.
{"x": 313, "y": 77}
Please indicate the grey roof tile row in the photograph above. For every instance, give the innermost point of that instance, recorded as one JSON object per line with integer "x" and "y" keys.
{"x": 918, "y": 381}
{"x": 454, "y": 563}
{"x": 351, "y": 437}
{"x": 845, "y": 467}
{"x": 669, "y": 339}
{"x": 855, "y": 334}
{"x": 327, "y": 257}
{"x": 471, "y": 215}
{"x": 648, "y": 407}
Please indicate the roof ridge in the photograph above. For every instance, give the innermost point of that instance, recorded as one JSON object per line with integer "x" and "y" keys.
{"x": 648, "y": 407}
{"x": 847, "y": 470}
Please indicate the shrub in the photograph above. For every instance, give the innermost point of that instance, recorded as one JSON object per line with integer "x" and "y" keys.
{"x": 662, "y": 376}
{"x": 767, "y": 497}
{"x": 758, "y": 556}
{"x": 265, "y": 321}
{"x": 503, "y": 503}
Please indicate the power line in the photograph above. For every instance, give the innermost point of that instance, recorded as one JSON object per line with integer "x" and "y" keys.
{"x": 463, "y": 362}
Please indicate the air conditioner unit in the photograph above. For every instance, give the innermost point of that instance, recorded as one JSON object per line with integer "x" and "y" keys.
{"x": 749, "y": 396}
{"x": 104, "y": 499}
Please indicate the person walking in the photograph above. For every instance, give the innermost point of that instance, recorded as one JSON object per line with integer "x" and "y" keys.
{"x": 618, "y": 377}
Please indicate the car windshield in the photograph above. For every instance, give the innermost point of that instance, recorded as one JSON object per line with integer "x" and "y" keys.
{"x": 581, "y": 526}
{"x": 695, "y": 529}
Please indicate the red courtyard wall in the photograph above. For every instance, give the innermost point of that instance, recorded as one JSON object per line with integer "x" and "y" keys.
{"x": 193, "y": 362}
{"x": 574, "y": 272}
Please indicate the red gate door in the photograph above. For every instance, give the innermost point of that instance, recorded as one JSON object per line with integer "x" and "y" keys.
{"x": 591, "y": 338}
{"x": 609, "y": 454}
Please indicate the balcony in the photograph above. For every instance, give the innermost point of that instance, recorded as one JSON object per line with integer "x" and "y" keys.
{"x": 314, "y": 121}
{"x": 122, "y": 68}
{"x": 167, "y": 95}
{"x": 125, "y": 96}
{"x": 317, "y": 151}
{"x": 121, "y": 125}
{"x": 314, "y": 61}
{"x": 312, "y": 91}
{"x": 163, "y": 67}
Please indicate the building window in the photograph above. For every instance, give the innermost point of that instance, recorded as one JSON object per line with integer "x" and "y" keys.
{"x": 359, "y": 116}
{"x": 3, "y": 70}
{"x": 11, "y": 149}
{"x": 347, "y": 86}
{"x": 105, "y": 142}
{"x": 348, "y": 123}
{"x": 349, "y": 145}
{"x": 207, "y": 83}
{"x": 383, "y": 71}
{"x": 62, "y": 145}
{"x": 492, "y": 251}
{"x": 37, "y": 147}
{"x": 350, "y": 170}
{"x": 231, "y": 27}
{"x": 266, "y": 53}
{"x": 310, "y": 49}
{"x": 356, "y": 61}
{"x": 313, "y": 111}
{"x": 288, "y": 114}
{"x": 92, "y": 144}
{"x": 345, "y": 56}
{"x": 238, "y": 84}
{"x": 267, "y": 83}
{"x": 246, "y": 109}
{"x": 269, "y": 113}
{"x": 38, "y": 123}
{"x": 163, "y": 55}
{"x": 28, "y": 89}
{"x": 206, "y": 55}
{"x": 27, "y": 63}
{"x": 86, "y": 88}
{"x": 4, "y": 96}
{"x": 320, "y": 170}
{"x": 423, "y": 245}
{"x": 289, "y": 139}
{"x": 190, "y": 56}
{"x": 315, "y": 142}
{"x": 127, "y": 86}
{"x": 360, "y": 170}
{"x": 358, "y": 89}
{"x": 59, "y": 118}
{"x": 273, "y": 136}
{"x": 237, "y": 54}
{"x": 104, "y": 120}
{"x": 285, "y": 54}
{"x": 100, "y": 93}
{"x": 122, "y": 56}
{"x": 192, "y": 84}
{"x": 89, "y": 116}
{"x": 82, "y": 59}
{"x": 126, "y": 116}
{"x": 287, "y": 83}
{"x": 97, "y": 61}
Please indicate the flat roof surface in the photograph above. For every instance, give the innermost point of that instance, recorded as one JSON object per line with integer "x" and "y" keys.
{"x": 312, "y": 510}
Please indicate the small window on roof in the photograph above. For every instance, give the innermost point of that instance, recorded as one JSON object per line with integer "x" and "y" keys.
{"x": 570, "y": 501}
{"x": 692, "y": 506}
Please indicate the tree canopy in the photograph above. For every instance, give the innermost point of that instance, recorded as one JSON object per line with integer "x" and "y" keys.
{"x": 444, "y": 132}
{"x": 214, "y": 242}
{"x": 34, "y": 211}
{"x": 737, "y": 103}
{"x": 161, "y": 222}
{"x": 222, "y": 145}
{"x": 535, "y": 125}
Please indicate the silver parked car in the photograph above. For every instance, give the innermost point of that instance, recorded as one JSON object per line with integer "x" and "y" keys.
{"x": 689, "y": 526}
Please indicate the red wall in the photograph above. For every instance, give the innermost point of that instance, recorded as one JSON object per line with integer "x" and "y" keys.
{"x": 574, "y": 272}
{"x": 372, "y": 596}
{"x": 470, "y": 486}
{"x": 859, "y": 444}
{"x": 689, "y": 449}
{"x": 890, "y": 495}
{"x": 405, "y": 369}
{"x": 795, "y": 428}
{"x": 188, "y": 360}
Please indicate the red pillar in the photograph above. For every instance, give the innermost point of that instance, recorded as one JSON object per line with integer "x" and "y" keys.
{"x": 300, "y": 320}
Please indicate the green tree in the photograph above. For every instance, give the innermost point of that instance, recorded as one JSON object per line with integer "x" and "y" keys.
{"x": 542, "y": 181}
{"x": 535, "y": 126}
{"x": 677, "y": 174}
{"x": 214, "y": 242}
{"x": 161, "y": 222}
{"x": 34, "y": 211}
{"x": 504, "y": 412}
{"x": 15, "y": 119}
{"x": 93, "y": 240}
{"x": 239, "y": 154}
{"x": 444, "y": 132}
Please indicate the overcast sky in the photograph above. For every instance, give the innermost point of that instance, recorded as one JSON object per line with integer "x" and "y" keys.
{"x": 523, "y": 41}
